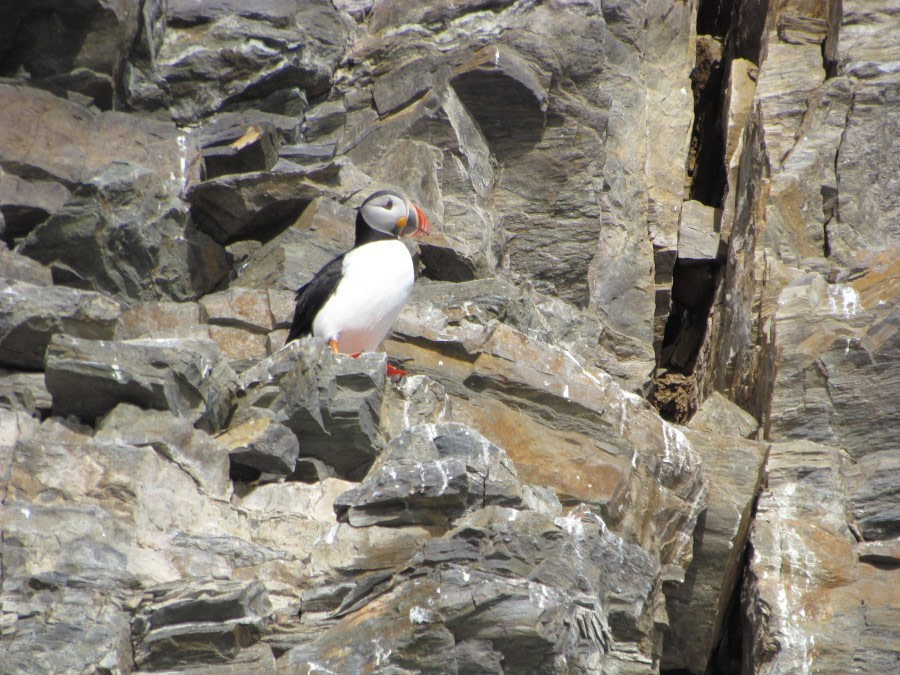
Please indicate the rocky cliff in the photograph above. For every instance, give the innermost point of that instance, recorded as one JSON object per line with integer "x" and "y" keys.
{"x": 650, "y": 420}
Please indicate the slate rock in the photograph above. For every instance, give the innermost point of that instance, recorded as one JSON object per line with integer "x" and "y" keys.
{"x": 281, "y": 46}
{"x": 26, "y": 392}
{"x": 187, "y": 377}
{"x": 122, "y": 234}
{"x": 203, "y": 622}
{"x": 719, "y": 416}
{"x": 15, "y": 267}
{"x": 503, "y": 586}
{"x": 243, "y": 204}
{"x": 30, "y": 315}
{"x": 46, "y": 137}
{"x": 698, "y": 606}
{"x": 76, "y": 46}
{"x": 331, "y": 403}
{"x": 204, "y": 458}
{"x": 25, "y": 204}
{"x": 430, "y": 475}
{"x": 323, "y": 231}
{"x": 263, "y": 445}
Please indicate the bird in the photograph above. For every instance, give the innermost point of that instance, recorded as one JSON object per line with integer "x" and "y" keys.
{"x": 353, "y": 301}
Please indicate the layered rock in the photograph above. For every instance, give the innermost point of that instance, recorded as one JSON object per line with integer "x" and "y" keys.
{"x": 689, "y": 204}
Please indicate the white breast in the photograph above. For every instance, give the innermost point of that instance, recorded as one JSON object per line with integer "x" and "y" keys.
{"x": 376, "y": 282}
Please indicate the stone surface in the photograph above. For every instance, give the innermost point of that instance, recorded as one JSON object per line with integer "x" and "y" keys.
{"x": 698, "y": 608}
{"x": 691, "y": 206}
{"x": 122, "y": 234}
{"x": 263, "y": 445}
{"x": 188, "y": 377}
{"x": 331, "y": 402}
{"x": 30, "y": 315}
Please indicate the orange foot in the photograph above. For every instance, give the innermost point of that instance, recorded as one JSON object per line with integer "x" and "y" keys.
{"x": 394, "y": 372}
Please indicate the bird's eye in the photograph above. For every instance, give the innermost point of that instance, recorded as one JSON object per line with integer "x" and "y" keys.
{"x": 389, "y": 204}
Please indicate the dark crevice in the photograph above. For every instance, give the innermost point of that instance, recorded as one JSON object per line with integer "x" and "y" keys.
{"x": 693, "y": 293}
{"x": 706, "y": 157}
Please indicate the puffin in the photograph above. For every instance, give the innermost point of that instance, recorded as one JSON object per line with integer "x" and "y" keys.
{"x": 354, "y": 300}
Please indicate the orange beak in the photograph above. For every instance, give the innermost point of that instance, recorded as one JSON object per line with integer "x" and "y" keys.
{"x": 421, "y": 222}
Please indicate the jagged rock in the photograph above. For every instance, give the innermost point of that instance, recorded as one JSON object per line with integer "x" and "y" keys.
{"x": 121, "y": 233}
{"x": 98, "y": 539}
{"x": 49, "y": 138}
{"x": 525, "y": 396}
{"x": 182, "y": 623}
{"x": 242, "y": 204}
{"x": 76, "y": 46}
{"x": 239, "y": 308}
{"x": 502, "y": 568}
{"x": 836, "y": 377}
{"x": 331, "y": 403}
{"x": 698, "y": 606}
{"x": 155, "y": 319}
{"x": 698, "y": 235}
{"x": 15, "y": 267}
{"x": 201, "y": 456}
{"x": 721, "y": 417}
{"x": 804, "y": 566}
{"x": 429, "y": 475}
{"x": 263, "y": 445}
{"x": 416, "y": 399}
{"x": 254, "y": 150}
{"x": 25, "y": 204}
{"x": 187, "y": 377}
{"x": 322, "y": 232}
{"x": 26, "y": 392}
{"x": 218, "y": 54}
{"x": 30, "y": 315}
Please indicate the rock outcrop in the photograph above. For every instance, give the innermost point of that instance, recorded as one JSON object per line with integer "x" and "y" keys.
{"x": 650, "y": 418}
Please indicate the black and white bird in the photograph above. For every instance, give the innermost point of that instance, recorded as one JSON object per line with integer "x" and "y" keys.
{"x": 355, "y": 299}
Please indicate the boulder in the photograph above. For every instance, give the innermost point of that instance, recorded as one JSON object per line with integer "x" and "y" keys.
{"x": 201, "y": 456}
{"x": 180, "y": 624}
{"x": 188, "y": 377}
{"x": 123, "y": 234}
{"x": 30, "y": 315}
{"x": 263, "y": 445}
{"x": 331, "y": 402}
{"x": 430, "y": 474}
{"x": 46, "y": 137}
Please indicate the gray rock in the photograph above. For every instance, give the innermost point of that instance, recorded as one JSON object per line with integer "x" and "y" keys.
{"x": 76, "y": 46}
{"x": 25, "y": 204}
{"x": 802, "y": 565}
{"x": 430, "y": 475}
{"x": 26, "y": 392}
{"x": 720, "y": 417}
{"x": 15, "y": 267}
{"x": 698, "y": 234}
{"x": 698, "y": 606}
{"x": 501, "y": 586}
{"x": 242, "y": 204}
{"x": 187, "y": 623}
{"x": 289, "y": 260}
{"x": 66, "y": 152}
{"x": 201, "y": 456}
{"x": 281, "y": 46}
{"x": 122, "y": 234}
{"x": 331, "y": 403}
{"x": 30, "y": 315}
{"x": 187, "y": 377}
{"x": 263, "y": 444}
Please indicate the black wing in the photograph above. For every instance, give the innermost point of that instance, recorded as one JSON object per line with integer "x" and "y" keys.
{"x": 312, "y": 296}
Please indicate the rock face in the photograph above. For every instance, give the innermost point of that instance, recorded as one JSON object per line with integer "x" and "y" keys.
{"x": 650, "y": 418}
